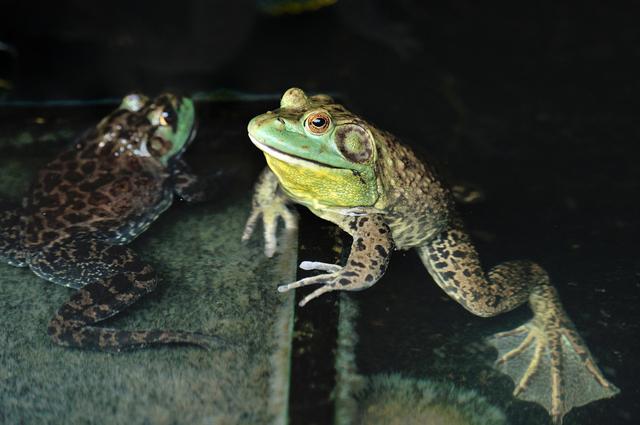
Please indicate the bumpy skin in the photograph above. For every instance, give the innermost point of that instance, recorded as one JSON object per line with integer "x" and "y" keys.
{"x": 90, "y": 201}
{"x": 361, "y": 178}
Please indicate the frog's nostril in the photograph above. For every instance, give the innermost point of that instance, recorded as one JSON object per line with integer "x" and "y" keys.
{"x": 279, "y": 122}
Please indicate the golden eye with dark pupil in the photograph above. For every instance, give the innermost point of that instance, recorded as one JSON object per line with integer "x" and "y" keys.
{"x": 318, "y": 123}
{"x": 167, "y": 117}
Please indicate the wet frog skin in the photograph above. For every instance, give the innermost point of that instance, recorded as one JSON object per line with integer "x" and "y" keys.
{"x": 92, "y": 200}
{"x": 361, "y": 178}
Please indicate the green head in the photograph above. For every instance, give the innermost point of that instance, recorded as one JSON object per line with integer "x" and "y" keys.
{"x": 322, "y": 154}
{"x": 160, "y": 128}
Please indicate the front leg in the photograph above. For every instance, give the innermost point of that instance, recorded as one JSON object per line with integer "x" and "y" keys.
{"x": 545, "y": 357}
{"x": 192, "y": 188}
{"x": 271, "y": 204}
{"x": 367, "y": 262}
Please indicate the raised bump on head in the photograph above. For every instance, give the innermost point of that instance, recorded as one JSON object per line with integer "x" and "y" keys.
{"x": 294, "y": 98}
{"x": 134, "y": 102}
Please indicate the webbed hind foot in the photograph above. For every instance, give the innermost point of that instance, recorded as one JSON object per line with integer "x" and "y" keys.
{"x": 550, "y": 365}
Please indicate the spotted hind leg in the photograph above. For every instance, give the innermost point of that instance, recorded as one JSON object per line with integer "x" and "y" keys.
{"x": 545, "y": 357}
{"x": 110, "y": 278}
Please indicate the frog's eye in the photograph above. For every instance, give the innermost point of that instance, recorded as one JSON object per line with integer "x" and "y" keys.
{"x": 354, "y": 143}
{"x": 318, "y": 123}
{"x": 168, "y": 117}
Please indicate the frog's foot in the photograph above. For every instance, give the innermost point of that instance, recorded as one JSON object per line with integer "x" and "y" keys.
{"x": 337, "y": 279}
{"x": 72, "y": 333}
{"x": 74, "y": 325}
{"x": 316, "y": 265}
{"x": 271, "y": 204}
{"x": 110, "y": 278}
{"x": 270, "y": 215}
{"x": 551, "y": 365}
{"x": 367, "y": 262}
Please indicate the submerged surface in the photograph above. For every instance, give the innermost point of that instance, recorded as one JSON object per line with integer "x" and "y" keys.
{"x": 209, "y": 282}
{"x": 534, "y": 104}
{"x": 406, "y": 342}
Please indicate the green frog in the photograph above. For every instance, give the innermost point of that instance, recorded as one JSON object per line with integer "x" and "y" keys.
{"x": 87, "y": 204}
{"x": 361, "y": 178}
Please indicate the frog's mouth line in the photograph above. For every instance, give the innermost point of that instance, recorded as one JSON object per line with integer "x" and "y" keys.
{"x": 290, "y": 159}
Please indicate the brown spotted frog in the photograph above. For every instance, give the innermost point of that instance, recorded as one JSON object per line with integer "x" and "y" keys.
{"x": 349, "y": 172}
{"x": 87, "y": 204}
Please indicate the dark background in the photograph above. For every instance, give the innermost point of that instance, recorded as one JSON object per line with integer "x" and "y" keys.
{"x": 534, "y": 103}
{"x": 492, "y": 80}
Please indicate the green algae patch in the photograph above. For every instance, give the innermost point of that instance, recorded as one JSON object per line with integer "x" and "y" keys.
{"x": 393, "y": 399}
{"x": 209, "y": 282}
